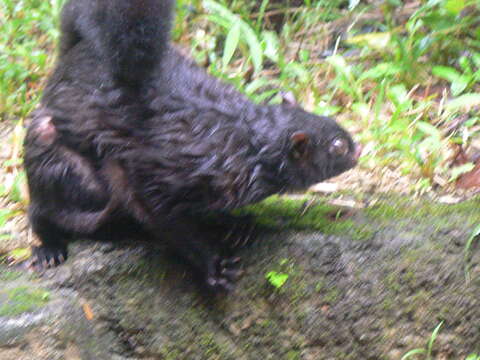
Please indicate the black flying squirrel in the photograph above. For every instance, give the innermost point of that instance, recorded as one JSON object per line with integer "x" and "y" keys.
{"x": 202, "y": 149}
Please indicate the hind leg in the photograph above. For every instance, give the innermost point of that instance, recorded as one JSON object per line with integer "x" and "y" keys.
{"x": 53, "y": 250}
{"x": 67, "y": 196}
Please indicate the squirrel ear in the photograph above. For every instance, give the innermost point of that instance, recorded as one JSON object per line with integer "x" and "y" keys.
{"x": 288, "y": 99}
{"x": 299, "y": 145}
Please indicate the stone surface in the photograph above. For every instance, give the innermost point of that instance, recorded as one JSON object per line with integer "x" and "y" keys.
{"x": 346, "y": 297}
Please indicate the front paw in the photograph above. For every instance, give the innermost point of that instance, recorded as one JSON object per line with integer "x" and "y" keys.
{"x": 222, "y": 273}
{"x": 45, "y": 257}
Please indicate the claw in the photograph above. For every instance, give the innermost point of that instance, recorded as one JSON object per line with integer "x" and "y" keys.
{"x": 221, "y": 273}
{"x": 233, "y": 261}
{"x": 44, "y": 258}
{"x": 232, "y": 274}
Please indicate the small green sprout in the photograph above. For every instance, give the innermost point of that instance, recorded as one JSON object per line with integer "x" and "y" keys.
{"x": 276, "y": 279}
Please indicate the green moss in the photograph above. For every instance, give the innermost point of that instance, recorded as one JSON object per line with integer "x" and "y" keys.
{"x": 305, "y": 213}
{"x": 22, "y": 299}
{"x": 293, "y": 355}
{"x": 7, "y": 275}
{"x": 397, "y": 207}
{"x": 171, "y": 354}
{"x": 211, "y": 348}
{"x": 319, "y": 286}
{"x": 388, "y": 304}
{"x": 331, "y": 296}
{"x": 391, "y": 282}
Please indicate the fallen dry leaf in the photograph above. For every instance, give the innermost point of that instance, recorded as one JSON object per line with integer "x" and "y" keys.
{"x": 88, "y": 311}
{"x": 471, "y": 179}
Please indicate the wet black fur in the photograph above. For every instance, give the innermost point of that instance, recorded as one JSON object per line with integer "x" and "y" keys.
{"x": 129, "y": 35}
{"x": 199, "y": 148}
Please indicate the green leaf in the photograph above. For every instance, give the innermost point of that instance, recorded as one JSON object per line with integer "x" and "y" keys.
{"x": 18, "y": 184}
{"x": 472, "y": 237}
{"x": 249, "y": 36}
{"x": 428, "y": 129}
{"x": 378, "y": 40}
{"x": 455, "y": 6}
{"x": 473, "y": 357}
{"x": 464, "y": 101}
{"x": 341, "y": 67}
{"x": 465, "y": 65}
{"x": 381, "y": 70}
{"x": 362, "y": 109}
{"x": 476, "y": 59}
{"x": 432, "y": 339}
{"x": 468, "y": 245}
{"x": 5, "y": 215}
{"x": 399, "y": 95}
{"x": 5, "y": 237}
{"x": 276, "y": 279}
{"x": 413, "y": 352}
{"x": 459, "y": 86}
{"x": 294, "y": 69}
{"x": 19, "y": 254}
{"x": 460, "y": 170}
{"x": 446, "y": 72}
{"x": 272, "y": 44}
{"x": 231, "y": 43}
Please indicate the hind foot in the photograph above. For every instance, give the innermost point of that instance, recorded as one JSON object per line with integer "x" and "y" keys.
{"x": 222, "y": 273}
{"x": 45, "y": 257}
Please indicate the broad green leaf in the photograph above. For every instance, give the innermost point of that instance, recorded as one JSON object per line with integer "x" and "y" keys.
{"x": 5, "y": 214}
{"x": 380, "y": 71}
{"x": 459, "y": 86}
{"x": 465, "y": 65}
{"x": 19, "y": 254}
{"x": 428, "y": 129}
{"x": 465, "y": 101}
{"x": 272, "y": 44}
{"x": 325, "y": 109}
{"x": 16, "y": 192}
{"x": 473, "y": 357}
{"x": 256, "y": 53}
{"x": 398, "y": 94}
{"x": 460, "y": 170}
{"x": 341, "y": 66}
{"x": 256, "y": 84}
{"x": 455, "y": 6}
{"x": 476, "y": 59}
{"x": 231, "y": 43}
{"x": 446, "y": 72}
{"x": 374, "y": 40}
{"x": 297, "y": 70}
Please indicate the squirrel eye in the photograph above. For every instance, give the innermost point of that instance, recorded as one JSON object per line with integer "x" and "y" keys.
{"x": 339, "y": 147}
